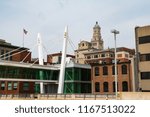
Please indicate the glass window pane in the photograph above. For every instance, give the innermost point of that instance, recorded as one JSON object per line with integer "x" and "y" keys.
{"x": 9, "y": 85}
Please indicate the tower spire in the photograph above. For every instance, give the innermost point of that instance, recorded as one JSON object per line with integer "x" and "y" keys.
{"x": 97, "y": 41}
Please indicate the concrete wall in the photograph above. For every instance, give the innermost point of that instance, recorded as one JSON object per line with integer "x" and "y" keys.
{"x": 134, "y": 96}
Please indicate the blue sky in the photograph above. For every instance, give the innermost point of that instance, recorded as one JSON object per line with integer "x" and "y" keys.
{"x": 49, "y": 17}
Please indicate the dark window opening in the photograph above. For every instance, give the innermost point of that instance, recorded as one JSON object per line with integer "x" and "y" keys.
{"x": 145, "y": 39}
{"x": 145, "y": 75}
{"x": 124, "y": 86}
{"x": 105, "y": 86}
{"x": 105, "y": 70}
{"x": 96, "y": 71}
{"x": 102, "y": 55}
{"x": 114, "y": 87}
{"x": 113, "y": 70}
{"x": 97, "y": 87}
{"x": 124, "y": 69}
{"x": 95, "y": 56}
{"x": 145, "y": 57}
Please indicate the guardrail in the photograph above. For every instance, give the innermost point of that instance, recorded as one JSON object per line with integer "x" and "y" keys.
{"x": 56, "y": 97}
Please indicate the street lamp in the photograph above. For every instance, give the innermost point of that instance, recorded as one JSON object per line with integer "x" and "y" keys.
{"x": 116, "y": 87}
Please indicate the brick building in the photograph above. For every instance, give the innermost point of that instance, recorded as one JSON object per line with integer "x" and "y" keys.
{"x": 103, "y": 70}
{"x": 10, "y": 52}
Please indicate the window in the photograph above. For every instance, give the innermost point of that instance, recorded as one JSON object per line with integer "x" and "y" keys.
{"x": 9, "y": 85}
{"x": 88, "y": 57}
{"x": 145, "y": 75}
{"x": 114, "y": 86}
{"x": 113, "y": 70}
{"x": 2, "y": 85}
{"x": 111, "y": 55}
{"x": 15, "y": 86}
{"x": 95, "y": 56}
{"x": 105, "y": 86}
{"x": 105, "y": 70}
{"x": 96, "y": 71}
{"x": 145, "y": 57}
{"x": 97, "y": 87}
{"x": 102, "y": 55}
{"x": 125, "y": 86}
{"x": 144, "y": 39}
{"x": 25, "y": 86}
{"x": 124, "y": 69}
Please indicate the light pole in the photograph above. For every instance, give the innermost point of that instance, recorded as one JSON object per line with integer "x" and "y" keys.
{"x": 115, "y": 32}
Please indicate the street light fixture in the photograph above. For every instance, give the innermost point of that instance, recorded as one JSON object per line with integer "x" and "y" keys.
{"x": 115, "y": 32}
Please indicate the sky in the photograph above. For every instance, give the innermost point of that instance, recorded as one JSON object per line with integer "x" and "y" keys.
{"x": 49, "y": 18}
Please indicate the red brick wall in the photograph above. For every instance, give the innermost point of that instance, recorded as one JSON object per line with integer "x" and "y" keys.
{"x": 111, "y": 78}
{"x": 20, "y": 56}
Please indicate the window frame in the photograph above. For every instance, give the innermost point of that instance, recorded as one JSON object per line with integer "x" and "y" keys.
{"x": 97, "y": 87}
{"x": 124, "y": 69}
{"x": 106, "y": 87}
{"x": 96, "y": 71}
{"x": 105, "y": 70}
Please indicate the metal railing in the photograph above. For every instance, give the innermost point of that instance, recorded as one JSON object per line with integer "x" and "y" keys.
{"x": 57, "y": 96}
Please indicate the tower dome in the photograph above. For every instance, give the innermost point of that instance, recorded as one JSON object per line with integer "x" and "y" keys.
{"x": 96, "y": 25}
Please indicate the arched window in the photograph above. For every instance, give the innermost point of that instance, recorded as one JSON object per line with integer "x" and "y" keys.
{"x": 124, "y": 69}
{"x": 114, "y": 86}
{"x": 96, "y": 71}
{"x": 125, "y": 86}
{"x": 97, "y": 87}
{"x": 105, "y": 87}
{"x": 113, "y": 70}
{"x": 105, "y": 70}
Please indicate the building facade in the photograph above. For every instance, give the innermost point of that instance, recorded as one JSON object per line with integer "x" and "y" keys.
{"x": 77, "y": 78}
{"x": 142, "y": 38}
{"x": 103, "y": 70}
{"x": 85, "y": 46}
{"x": 10, "y": 52}
{"x": 55, "y": 58}
{"x": 25, "y": 78}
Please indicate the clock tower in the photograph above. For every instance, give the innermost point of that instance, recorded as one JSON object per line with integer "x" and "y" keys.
{"x": 96, "y": 40}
